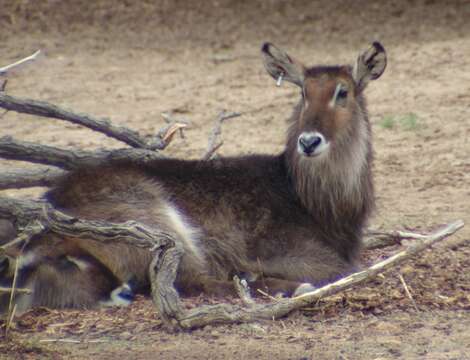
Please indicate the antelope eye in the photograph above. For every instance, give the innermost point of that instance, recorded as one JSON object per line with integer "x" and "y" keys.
{"x": 342, "y": 94}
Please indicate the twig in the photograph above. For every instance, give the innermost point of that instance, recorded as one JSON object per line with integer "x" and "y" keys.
{"x": 170, "y": 131}
{"x": 265, "y": 294}
{"x": 210, "y": 153}
{"x": 375, "y": 239}
{"x": 4, "y": 70}
{"x": 11, "y": 305}
{"x": 73, "y": 341}
{"x": 67, "y": 159}
{"x": 3, "y": 86}
{"x": 10, "y": 290}
{"x": 214, "y": 142}
{"x": 10, "y": 318}
{"x": 33, "y": 228}
{"x": 70, "y": 341}
{"x": 408, "y": 293}
{"x": 44, "y": 109}
{"x": 21, "y": 178}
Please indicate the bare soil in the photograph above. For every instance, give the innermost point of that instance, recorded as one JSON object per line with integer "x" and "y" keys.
{"x": 131, "y": 62}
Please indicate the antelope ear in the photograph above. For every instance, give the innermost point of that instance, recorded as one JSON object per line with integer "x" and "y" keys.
{"x": 369, "y": 65}
{"x": 278, "y": 63}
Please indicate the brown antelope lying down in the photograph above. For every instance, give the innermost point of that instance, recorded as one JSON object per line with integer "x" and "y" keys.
{"x": 286, "y": 222}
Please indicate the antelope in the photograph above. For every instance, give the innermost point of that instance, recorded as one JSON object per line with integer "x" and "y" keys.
{"x": 288, "y": 222}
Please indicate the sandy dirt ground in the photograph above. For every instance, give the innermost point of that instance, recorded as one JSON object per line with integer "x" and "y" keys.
{"x": 132, "y": 62}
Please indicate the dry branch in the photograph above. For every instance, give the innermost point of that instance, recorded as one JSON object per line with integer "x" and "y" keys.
{"x": 21, "y": 178}
{"x": 44, "y": 109}
{"x": 162, "y": 273}
{"x": 68, "y": 159}
{"x": 6, "y": 69}
{"x": 33, "y": 228}
{"x": 375, "y": 239}
{"x": 214, "y": 142}
{"x": 130, "y": 232}
{"x": 9, "y": 290}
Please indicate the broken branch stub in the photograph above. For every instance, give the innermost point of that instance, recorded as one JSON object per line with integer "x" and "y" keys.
{"x": 17, "y": 64}
{"x": 214, "y": 143}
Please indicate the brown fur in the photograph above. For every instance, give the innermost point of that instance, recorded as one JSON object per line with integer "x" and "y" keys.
{"x": 283, "y": 219}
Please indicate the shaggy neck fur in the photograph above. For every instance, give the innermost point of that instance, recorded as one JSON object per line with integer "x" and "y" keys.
{"x": 336, "y": 189}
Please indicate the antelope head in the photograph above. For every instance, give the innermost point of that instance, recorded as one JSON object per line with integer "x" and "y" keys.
{"x": 330, "y": 111}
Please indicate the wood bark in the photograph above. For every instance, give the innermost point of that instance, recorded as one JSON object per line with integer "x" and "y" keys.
{"x": 25, "y": 178}
{"x": 45, "y": 109}
{"x": 68, "y": 159}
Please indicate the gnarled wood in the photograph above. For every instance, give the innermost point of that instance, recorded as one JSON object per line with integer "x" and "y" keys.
{"x": 24, "y": 178}
{"x": 68, "y": 159}
{"x": 45, "y": 109}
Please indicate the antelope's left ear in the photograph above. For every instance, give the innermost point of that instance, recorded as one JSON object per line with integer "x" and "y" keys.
{"x": 281, "y": 65}
{"x": 369, "y": 65}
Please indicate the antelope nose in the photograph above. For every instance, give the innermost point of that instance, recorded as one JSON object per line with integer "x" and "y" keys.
{"x": 309, "y": 142}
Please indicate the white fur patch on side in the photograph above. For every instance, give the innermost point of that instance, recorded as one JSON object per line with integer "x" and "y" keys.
{"x": 188, "y": 233}
{"x": 81, "y": 264}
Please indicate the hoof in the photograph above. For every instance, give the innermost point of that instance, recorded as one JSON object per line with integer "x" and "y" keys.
{"x": 121, "y": 296}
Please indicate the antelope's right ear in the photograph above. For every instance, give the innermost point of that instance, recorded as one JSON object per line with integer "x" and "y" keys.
{"x": 279, "y": 64}
{"x": 370, "y": 65}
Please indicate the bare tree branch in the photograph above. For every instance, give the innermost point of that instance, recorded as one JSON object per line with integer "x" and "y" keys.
{"x": 214, "y": 142}
{"x": 21, "y": 212}
{"x": 163, "y": 270}
{"x": 3, "y": 86}
{"x": 9, "y": 290}
{"x": 68, "y": 159}
{"x": 24, "y": 178}
{"x": 28, "y": 211}
{"x": 35, "y": 227}
{"x": 6, "y": 69}
{"x": 167, "y": 133}
{"x": 44, "y": 109}
{"x": 375, "y": 239}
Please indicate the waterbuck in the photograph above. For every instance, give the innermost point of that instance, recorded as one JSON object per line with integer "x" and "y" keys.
{"x": 286, "y": 222}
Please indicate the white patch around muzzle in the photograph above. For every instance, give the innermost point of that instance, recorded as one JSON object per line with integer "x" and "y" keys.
{"x": 312, "y": 144}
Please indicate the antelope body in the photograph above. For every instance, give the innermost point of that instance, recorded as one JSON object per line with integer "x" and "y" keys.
{"x": 287, "y": 222}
